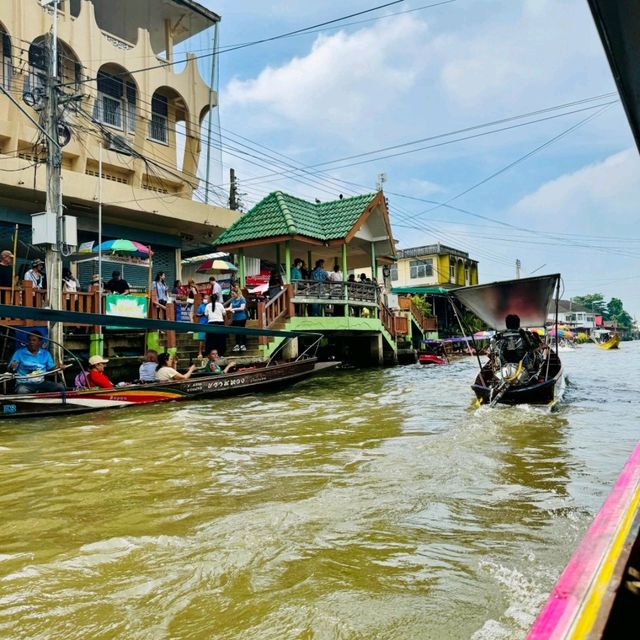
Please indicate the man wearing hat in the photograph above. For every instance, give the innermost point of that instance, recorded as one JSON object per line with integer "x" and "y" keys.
{"x": 6, "y": 268}
{"x": 96, "y": 375}
{"x": 30, "y": 363}
{"x": 35, "y": 274}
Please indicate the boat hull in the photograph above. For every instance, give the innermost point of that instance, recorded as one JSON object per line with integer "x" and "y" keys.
{"x": 197, "y": 387}
{"x": 612, "y": 343}
{"x": 425, "y": 358}
{"x": 542, "y": 392}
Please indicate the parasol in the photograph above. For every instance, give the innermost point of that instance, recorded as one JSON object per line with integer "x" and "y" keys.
{"x": 484, "y": 334}
{"x": 539, "y": 330}
{"x": 123, "y": 246}
{"x": 562, "y": 333}
{"x": 215, "y": 264}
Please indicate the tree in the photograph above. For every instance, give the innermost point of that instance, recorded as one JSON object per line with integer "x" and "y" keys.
{"x": 616, "y": 312}
{"x": 593, "y": 302}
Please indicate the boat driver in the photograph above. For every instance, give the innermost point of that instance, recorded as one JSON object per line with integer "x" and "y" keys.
{"x": 30, "y": 363}
{"x": 513, "y": 344}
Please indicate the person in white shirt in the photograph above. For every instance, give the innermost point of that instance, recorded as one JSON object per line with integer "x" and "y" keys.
{"x": 216, "y": 289}
{"x": 35, "y": 274}
{"x": 166, "y": 372}
{"x": 335, "y": 275}
{"x": 215, "y": 314}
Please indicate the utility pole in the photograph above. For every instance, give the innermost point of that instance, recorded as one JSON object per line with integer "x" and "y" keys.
{"x": 233, "y": 190}
{"x": 518, "y": 265}
{"x": 53, "y": 260}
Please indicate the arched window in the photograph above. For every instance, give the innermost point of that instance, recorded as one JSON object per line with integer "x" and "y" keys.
{"x": 158, "y": 127}
{"x": 6, "y": 68}
{"x": 116, "y": 101}
{"x": 35, "y": 81}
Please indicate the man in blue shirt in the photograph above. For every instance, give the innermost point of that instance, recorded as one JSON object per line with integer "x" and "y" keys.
{"x": 30, "y": 363}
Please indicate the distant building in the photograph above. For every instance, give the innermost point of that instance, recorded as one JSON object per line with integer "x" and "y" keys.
{"x": 574, "y": 316}
{"x": 434, "y": 265}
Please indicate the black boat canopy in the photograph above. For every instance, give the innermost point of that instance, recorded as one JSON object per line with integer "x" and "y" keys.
{"x": 528, "y": 298}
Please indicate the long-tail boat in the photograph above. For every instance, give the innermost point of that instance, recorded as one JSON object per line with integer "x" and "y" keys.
{"x": 246, "y": 379}
{"x": 598, "y": 593}
{"x": 612, "y": 343}
{"x": 532, "y": 378}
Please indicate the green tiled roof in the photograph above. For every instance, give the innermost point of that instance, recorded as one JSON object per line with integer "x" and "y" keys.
{"x": 280, "y": 214}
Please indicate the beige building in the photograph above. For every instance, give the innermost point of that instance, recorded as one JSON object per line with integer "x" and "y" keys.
{"x": 120, "y": 91}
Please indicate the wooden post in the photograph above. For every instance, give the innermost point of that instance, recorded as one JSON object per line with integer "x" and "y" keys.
{"x": 345, "y": 287}
{"x": 13, "y": 271}
{"x": 242, "y": 269}
{"x": 171, "y": 335}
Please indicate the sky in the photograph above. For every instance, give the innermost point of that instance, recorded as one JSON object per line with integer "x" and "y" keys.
{"x": 554, "y": 182}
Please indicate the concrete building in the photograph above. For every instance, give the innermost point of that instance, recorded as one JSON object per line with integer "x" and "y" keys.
{"x": 434, "y": 265}
{"x": 121, "y": 91}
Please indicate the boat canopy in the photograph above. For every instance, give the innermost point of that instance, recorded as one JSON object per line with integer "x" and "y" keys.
{"x": 528, "y": 298}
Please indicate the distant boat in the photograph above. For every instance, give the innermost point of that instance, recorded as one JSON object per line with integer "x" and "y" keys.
{"x": 522, "y": 369}
{"x": 611, "y": 343}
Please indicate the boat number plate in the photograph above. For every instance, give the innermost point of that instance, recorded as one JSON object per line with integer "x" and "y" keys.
{"x": 9, "y": 408}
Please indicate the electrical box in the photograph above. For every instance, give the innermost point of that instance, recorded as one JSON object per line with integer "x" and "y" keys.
{"x": 43, "y": 228}
{"x": 70, "y": 230}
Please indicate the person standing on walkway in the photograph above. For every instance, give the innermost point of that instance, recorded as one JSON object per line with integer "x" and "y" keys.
{"x": 215, "y": 315}
{"x": 239, "y": 309}
{"x": 6, "y": 268}
{"x": 35, "y": 274}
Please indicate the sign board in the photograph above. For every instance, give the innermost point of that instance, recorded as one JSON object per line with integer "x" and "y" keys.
{"x": 130, "y": 306}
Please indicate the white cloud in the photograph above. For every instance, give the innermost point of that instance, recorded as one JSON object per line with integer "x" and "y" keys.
{"x": 345, "y": 84}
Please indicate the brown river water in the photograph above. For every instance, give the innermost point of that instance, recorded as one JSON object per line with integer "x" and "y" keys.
{"x": 362, "y": 504}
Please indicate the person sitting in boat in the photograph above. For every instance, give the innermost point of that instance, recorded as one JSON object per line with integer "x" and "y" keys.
{"x": 96, "y": 376}
{"x": 212, "y": 365}
{"x": 515, "y": 344}
{"x": 30, "y": 363}
{"x": 165, "y": 371}
{"x": 147, "y": 371}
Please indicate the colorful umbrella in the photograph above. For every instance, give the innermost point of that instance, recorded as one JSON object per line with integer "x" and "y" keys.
{"x": 484, "y": 334}
{"x": 539, "y": 330}
{"x": 123, "y": 246}
{"x": 215, "y": 264}
{"x": 561, "y": 333}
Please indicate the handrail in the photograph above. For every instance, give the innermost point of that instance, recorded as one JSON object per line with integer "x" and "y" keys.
{"x": 387, "y": 319}
{"x": 280, "y": 306}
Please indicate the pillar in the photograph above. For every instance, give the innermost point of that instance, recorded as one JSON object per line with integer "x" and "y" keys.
{"x": 242, "y": 269}
{"x": 344, "y": 275}
{"x": 287, "y": 261}
{"x": 374, "y": 268}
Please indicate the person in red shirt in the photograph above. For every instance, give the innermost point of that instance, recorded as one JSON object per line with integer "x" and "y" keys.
{"x": 96, "y": 375}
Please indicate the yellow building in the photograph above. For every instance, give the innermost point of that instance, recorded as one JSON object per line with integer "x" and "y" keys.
{"x": 432, "y": 266}
{"x": 121, "y": 91}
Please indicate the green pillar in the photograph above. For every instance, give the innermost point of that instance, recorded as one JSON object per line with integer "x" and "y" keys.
{"x": 344, "y": 275}
{"x": 374, "y": 268}
{"x": 96, "y": 344}
{"x": 287, "y": 261}
{"x": 242, "y": 269}
{"x": 344, "y": 260}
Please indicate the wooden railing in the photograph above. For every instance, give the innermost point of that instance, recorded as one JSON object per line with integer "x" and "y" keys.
{"x": 359, "y": 294}
{"x": 278, "y": 307}
{"x": 388, "y": 320}
{"x": 424, "y": 322}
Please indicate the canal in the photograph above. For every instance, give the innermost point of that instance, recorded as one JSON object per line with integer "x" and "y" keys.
{"x": 361, "y": 504}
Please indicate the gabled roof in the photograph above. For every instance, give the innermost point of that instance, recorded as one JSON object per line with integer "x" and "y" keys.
{"x": 566, "y": 306}
{"x": 280, "y": 214}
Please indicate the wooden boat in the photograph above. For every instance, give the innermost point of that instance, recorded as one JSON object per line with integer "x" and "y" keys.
{"x": 597, "y": 594}
{"x": 533, "y": 377}
{"x": 260, "y": 377}
{"x": 431, "y": 358}
{"x": 612, "y": 343}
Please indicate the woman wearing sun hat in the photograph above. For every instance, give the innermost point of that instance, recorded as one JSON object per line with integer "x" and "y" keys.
{"x": 96, "y": 376}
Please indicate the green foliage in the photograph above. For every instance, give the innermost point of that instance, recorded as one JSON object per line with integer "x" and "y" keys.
{"x": 592, "y": 301}
{"x": 616, "y": 312}
{"x": 422, "y": 304}
{"x": 472, "y": 322}
{"x": 581, "y": 338}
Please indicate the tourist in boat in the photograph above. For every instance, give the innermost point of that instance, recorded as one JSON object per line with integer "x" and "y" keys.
{"x": 239, "y": 309}
{"x": 214, "y": 311}
{"x": 117, "y": 284}
{"x": 30, "y": 363}
{"x": 515, "y": 344}
{"x": 165, "y": 371}
{"x": 212, "y": 365}
{"x": 96, "y": 376}
{"x": 147, "y": 371}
